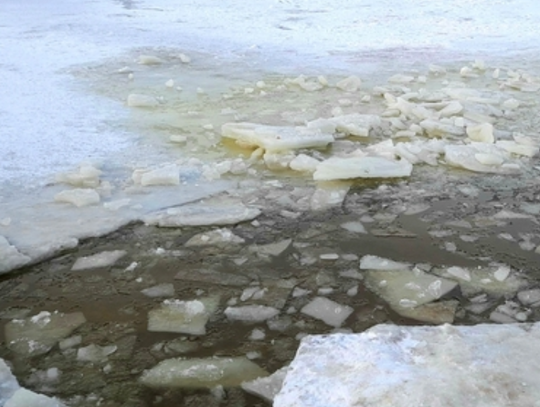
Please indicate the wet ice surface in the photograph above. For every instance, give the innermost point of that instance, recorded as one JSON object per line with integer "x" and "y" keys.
{"x": 130, "y": 125}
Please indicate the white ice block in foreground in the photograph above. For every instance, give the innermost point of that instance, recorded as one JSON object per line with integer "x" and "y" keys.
{"x": 274, "y": 138}
{"x": 361, "y": 167}
{"x": 393, "y": 366}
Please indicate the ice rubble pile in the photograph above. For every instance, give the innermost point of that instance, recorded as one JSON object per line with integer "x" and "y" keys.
{"x": 390, "y": 365}
{"x": 452, "y": 125}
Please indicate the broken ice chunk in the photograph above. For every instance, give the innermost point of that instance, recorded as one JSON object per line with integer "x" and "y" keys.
{"x": 328, "y": 311}
{"x": 166, "y": 175}
{"x": 305, "y": 163}
{"x": 408, "y": 288}
{"x": 103, "y": 259}
{"x": 149, "y": 60}
{"x": 370, "y": 262}
{"x": 160, "y": 290}
{"x": 517, "y": 148}
{"x": 87, "y": 177}
{"x": 361, "y": 167}
{"x": 465, "y": 156}
{"x": 481, "y": 133}
{"x": 10, "y": 257}
{"x": 267, "y": 387}
{"x": 274, "y": 138}
{"x": 202, "y": 215}
{"x": 38, "y": 334}
{"x": 138, "y": 100}
{"x": 250, "y": 313}
{"x": 354, "y": 227}
{"x": 78, "y": 197}
{"x": 214, "y": 237}
{"x": 187, "y": 317}
{"x": 202, "y": 373}
{"x": 95, "y": 353}
{"x": 325, "y": 198}
{"x": 400, "y": 78}
{"x": 349, "y": 84}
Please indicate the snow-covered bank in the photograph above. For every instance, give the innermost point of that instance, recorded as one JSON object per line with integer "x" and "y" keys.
{"x": 415, "y": 366}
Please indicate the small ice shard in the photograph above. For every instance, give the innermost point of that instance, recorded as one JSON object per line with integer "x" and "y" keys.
{"x": 86, "y": 177}
{"x": 502, "y": 273}
{"x": 304, "y": 163}
{"x": 79, "y": 197}
{"x": 149, "y": 60}
{"x": 482, "y": 133}
{"x": 95, "y": 353}
{"x": 529, "y": 297}
{"x": 267, "y": 387}
{"x": 465, "y": 156}
{"x": 214, "y": 237}
{"x": 305, "y": 84}
{"x": 442, "y": 312}
{"x": 178, "y": 138}
{"x": 436, "y": 128}
{"x": 201, "y": 373}
{"x": 361, "y": 167}
{"x": 278, "y": 161}
{"x": 511, "y": 104}
{"x": 437, "y": 69}
{"x": 170, "y": 83}
{"x": 451, "y": 109}
{"x": 406, "y": 288}
{"x": 70, "y": 342}
{"x": 250, "y": 313}
{"x": 349, "y": 84}
{"x": 138, "y": 100}
{"x": 354, "y": 227}
{"x": 202, "y": 215}
{"x": 400, "y": 78}
{"x": 274, "y": 138}
{"x": 271, "y": 249}
{"x": 26, "y": 398}
{"x": 103, "y": 259}
{"x": 257, "y": 335}
{"x": 370, "y": 262}
{"x": 355, "y": 124}
{"x": 160, "y": 290}
{"x": 489, "y": 159}
{"x": 459, "y": 272}
{"x": 166, "y": 175}
{"x": 328, "y": 311}
{"x": 10, "y": 257}
{"x": 117, "y": 204}
{"x": 36, "y": 335}
{"x": 185, "y": 59}
{"x": 325, "y": 198}
{"x": 187, "y": 317}
{"x": 517, "y": 148}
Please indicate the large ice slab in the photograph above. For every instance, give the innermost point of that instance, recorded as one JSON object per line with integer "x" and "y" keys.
{"x": 202, "y": 373}
{"x": 393, "y": 366}
{"x": 275, "y": 138}
{"x": 202, "y": 215}
{"x": 361, "y": 167}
